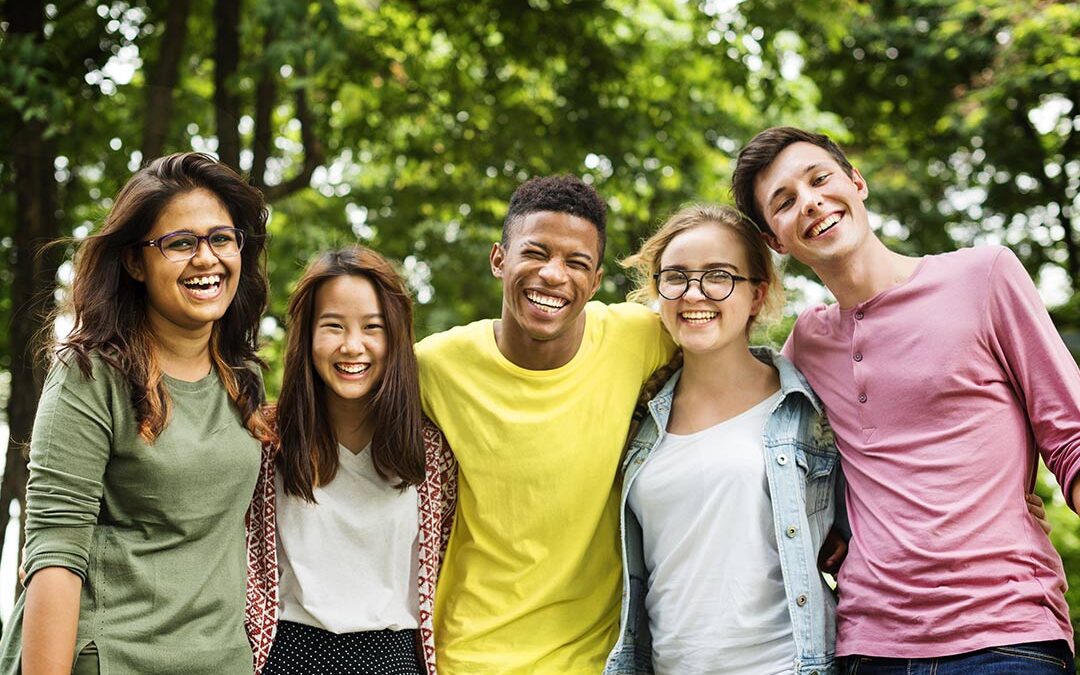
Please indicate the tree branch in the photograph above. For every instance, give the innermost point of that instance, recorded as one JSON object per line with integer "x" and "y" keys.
{"x": 163, "y": 78}
{"x": 313, "y": 154}
{"x": 226, "y": 102}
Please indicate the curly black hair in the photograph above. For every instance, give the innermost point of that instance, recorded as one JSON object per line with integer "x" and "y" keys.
{"x": 560, "y": 194}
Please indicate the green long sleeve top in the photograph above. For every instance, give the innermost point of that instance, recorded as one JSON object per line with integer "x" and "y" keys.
{"x": 156, "y": 532}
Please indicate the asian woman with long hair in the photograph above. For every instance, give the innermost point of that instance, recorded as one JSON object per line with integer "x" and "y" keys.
{"x": 360, "y": 477}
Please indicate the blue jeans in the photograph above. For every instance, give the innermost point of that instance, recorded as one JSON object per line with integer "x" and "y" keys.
{"x": 1028, "y": 658}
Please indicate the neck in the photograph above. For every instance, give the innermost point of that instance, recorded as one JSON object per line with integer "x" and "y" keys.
{"x": 718, "y": 373}
{"x": 861, "y": 276}
{"x": 527, "y": 352}
{"x": 351, "y": 422}
{"x": 183, "y": 354}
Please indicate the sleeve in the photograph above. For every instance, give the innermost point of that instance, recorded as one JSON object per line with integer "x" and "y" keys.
{"x": 1041, "y": 369}
{"x": 69, "y": 449}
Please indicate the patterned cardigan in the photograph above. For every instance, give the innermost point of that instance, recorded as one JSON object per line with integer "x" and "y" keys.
{"x": 437, "y": 497}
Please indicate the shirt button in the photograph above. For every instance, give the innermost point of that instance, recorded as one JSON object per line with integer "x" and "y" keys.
{"x": 859, "y": 315}
{"x": 781, "y": 459}
{"x": 801, "y": 600}
{"x": 858, "y": 356}
{"x": 792, "y": 531}
{"x": 862, "y": 398}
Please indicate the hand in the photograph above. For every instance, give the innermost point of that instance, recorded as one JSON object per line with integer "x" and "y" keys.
{"x": 833, "y": 551}
{"x": 22, "y": 568}
{"x": 1038, "y": 511}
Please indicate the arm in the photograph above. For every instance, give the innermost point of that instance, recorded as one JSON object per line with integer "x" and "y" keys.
{"x": 50, "y": 622}
{"x": 1040, "y": 368}
{"x": 70, "y": 447}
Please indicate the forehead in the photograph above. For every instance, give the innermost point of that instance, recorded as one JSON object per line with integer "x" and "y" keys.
{"x": 706, "y": 245}
{"x": 789, "y": 166}
{"x": 556, "y": 230}
{"x": 348, "y": 295}
{"x": 197, "y": 211}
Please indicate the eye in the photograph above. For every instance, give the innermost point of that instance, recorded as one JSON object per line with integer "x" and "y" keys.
{"x": 181, "y": 243}
{"x": 330, "y": 325}
{"x": 819, "y": 180}
{"x": 373, "y": 326}
{"x": 535, "y": 254}
{"x": 219, "y": 238}
{"x": 579, "y": 265}
{"x": 784, "y": 204}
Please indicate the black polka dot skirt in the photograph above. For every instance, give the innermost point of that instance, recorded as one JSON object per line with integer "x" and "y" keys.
{"x": 306, "y": 650}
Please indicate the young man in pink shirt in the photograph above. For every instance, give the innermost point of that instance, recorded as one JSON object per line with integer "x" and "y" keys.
{"x": 942, "y": 377}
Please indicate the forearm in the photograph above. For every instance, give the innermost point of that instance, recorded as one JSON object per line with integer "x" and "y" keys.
{"x": 1075, "y": 494}
{"x": 50, "y": 622}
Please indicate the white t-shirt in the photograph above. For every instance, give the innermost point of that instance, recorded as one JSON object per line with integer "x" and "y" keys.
{"x": 715, "y": 597}
{"x": 349, "y": 562}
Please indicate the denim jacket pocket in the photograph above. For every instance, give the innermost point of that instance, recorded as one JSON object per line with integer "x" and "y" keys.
{"x": 818, "y": 466}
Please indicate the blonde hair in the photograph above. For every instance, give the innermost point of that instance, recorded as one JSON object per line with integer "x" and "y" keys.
{"x": 646, "y": 262}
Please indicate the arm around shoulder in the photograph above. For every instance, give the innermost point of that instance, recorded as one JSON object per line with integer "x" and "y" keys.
{"x": 50, "y": 622}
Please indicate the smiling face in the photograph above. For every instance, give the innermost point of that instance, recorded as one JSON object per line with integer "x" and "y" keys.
{"x": 190, "y": 295}
{"x": 815, "y": 211}
{"x": 695, "y": 322}
{"x": 348, "y": 343}
{"x": 549, "y": 268}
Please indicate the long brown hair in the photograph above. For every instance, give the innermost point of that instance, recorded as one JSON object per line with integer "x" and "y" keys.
{"x": 309, "y": 450}
{"x": 109, "y": 306}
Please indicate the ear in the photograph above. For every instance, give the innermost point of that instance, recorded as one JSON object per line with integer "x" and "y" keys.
{"x": 132, "y": 260}
{"x": 774, "y": 243}
{"x": 596, "y": 281}
{"x": 497, "y": 257}
{"x": 860, "y": 183}
{"x": 760, "y": 291}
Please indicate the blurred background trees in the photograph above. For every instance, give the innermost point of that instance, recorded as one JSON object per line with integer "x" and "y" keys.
{"x": 406, "y": 125}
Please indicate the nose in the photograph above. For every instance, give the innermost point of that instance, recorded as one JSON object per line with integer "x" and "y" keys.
{"x": 353, "y": 343}
{"x": 204, "y": 255}
{"x": 693, "y": 286}
{"x": 809, "y": 200}
{"x": 553, "y": 272}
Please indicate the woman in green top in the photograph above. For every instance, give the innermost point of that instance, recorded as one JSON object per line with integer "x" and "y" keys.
{"x": 146, "y": 446}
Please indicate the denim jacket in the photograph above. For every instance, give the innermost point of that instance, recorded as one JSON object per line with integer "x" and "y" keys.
{"x": 802, "y": 469}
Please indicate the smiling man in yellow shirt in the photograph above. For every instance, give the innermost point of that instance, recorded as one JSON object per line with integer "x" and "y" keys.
{"x": 536, "y": 406}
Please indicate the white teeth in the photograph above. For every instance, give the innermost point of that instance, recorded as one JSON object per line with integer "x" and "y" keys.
{"x": 208, "y": 280}
{"x": 352, "y": 368}
{"x": 698, "y": 316}
{"x": 546, "y": 303}
{"x": 824, "y": 225}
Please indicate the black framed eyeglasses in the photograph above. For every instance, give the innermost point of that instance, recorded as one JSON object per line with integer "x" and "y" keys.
{"x": 225, "y": 242}
{"x": 716, "y": 285}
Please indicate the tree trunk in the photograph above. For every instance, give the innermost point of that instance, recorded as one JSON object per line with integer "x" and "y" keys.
{"x": 265, "y": 95}
{"x": 34, "y": 274}
{"x": 162, "y": 79}
{"x": 226, "y": 102}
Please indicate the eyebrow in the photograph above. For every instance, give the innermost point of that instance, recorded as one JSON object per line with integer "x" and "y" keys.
{"x": 545, "y": 249}
{"x": 708, "y": 266}
{"x": 780, "y": 190}
{"x": 338, "y": 315}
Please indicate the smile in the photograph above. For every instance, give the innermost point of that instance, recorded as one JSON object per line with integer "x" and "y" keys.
{"x": 697, "y": 316}
{"x": 203, "y": 287}
{"x": 351, "y": 368}
{"x": 546, "y": 303}
{"x": 822, "y": 226}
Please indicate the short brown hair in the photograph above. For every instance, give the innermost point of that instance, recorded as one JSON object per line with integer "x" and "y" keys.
{"x": 760, "y": 152}
{"x": 646, "y": 262}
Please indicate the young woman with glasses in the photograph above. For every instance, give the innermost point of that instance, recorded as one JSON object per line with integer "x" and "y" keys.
{"x": 147, "y": 444}
{"x": 359, "y": 478}
{"x": 730, "y": 475}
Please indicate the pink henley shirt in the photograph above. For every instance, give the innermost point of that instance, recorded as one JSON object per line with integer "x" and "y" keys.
{"x": 939, "y": 391}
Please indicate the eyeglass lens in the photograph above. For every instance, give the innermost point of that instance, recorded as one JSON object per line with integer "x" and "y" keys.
{"x": 225, "y": 242}
{"x": 715, "y": 284}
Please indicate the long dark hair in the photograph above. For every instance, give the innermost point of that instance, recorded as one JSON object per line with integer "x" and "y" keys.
{"x": 109, "y": 306}
{"x": 309, "y": 450}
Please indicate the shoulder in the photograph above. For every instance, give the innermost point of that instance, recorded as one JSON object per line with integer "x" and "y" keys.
{"x": 815, "y": 321}
{"x": 631, "y": 315}
{"x": 469, "y": 336}
{"x": 979, "y": 261}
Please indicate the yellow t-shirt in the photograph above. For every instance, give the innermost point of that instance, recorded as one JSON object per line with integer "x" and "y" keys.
{"x": 532, "y": 577}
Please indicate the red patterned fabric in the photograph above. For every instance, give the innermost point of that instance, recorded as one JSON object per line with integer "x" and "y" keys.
{"x": 260, "y": 617}
{"x": 437, "y": 499}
